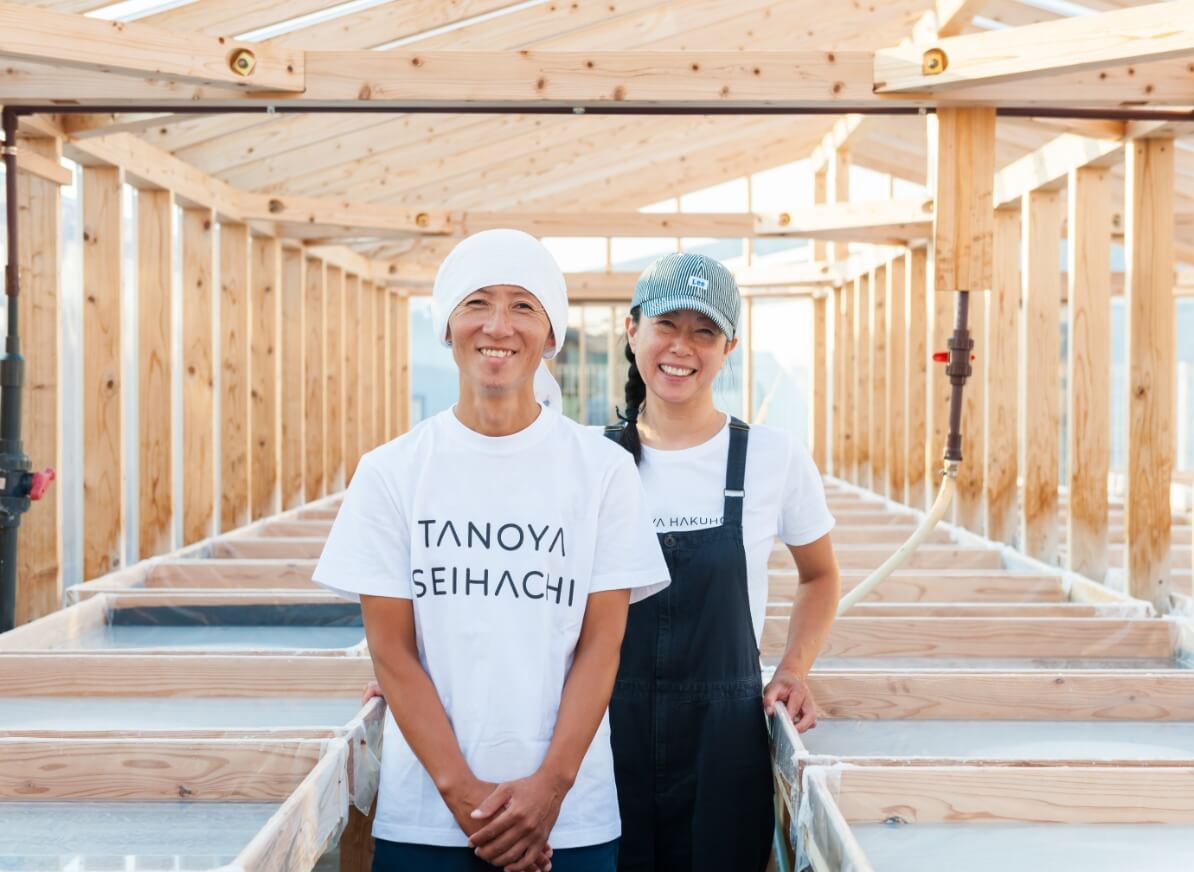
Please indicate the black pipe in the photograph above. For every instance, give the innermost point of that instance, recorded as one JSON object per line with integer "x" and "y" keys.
{"x": 958, "y": 369}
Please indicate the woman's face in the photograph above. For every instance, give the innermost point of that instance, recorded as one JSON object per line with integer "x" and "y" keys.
{"x": 679, "y": 353}
{"x": 498, "y": 336}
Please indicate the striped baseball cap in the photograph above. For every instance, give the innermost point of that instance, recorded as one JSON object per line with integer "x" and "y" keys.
{"x": 689, "y": 281}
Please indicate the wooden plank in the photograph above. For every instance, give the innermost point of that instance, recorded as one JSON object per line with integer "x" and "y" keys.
{"x": 333, "y": 368}
{"x": 849, "y": 382}
{"x": 198, "y": 392}
{"x": 837, "y": 297}
{"x": 1043, "y": 695}
{"x": 1049, "y": 795}
{"x": 155, "y": 475}
{"x": 941, "y": 319}
{"x": 969, "y": 497}
{"x": 1088, "y": 370}
{"x": 293, "y": 378}
{"x": 47, "y": 169}
{"x": 103, "y": 459}
{"x": 351, "y": 339}
{"x": 1040, "y": 389}
{"x": 264, "y": 270}
{"x": 315, "y": 402}
{"x": 862, "y": 348}
{"x": 954, "y": 15}
{"x": 879, "y": 380}
{"x": 820, "y": 384}
{"x": 141, "y": 50}
{"x": 1001, "y": 342}
{"x": 234, "y": 374}
{"x": 896, "y": 364}
{"x": 1148, "y": 248}
{"x": 39, "y": 545}
{"x": 1050, "y": 165}
{"x": 132, "y": 769}
{"x": 962, "y": 225}
{"x": 1129, "y": 36}
{"x": 916, "y": 382}
{"x": 381, "y": 362}
{"x": 368, "y": 367}
{"x": 400, "y": 368}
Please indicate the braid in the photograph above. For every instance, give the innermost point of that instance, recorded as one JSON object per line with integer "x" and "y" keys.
{"x": 636, "y": 395}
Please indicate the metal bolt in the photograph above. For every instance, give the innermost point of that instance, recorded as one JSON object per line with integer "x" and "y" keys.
{"x": 422, "y": 220}
{"x": 935, "y": 62}
{"x": 784, "y": 219}
{"x": 243, "y": 62}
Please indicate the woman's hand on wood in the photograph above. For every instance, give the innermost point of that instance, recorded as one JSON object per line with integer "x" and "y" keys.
{"x": 790, "y": 689}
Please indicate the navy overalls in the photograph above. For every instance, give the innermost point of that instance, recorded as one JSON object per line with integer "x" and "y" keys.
{"x": 690, "y": 743}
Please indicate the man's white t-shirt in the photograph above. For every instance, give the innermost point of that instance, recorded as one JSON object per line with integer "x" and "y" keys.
{"x": 498, "y": 541}
{"x": 784, "y": 497}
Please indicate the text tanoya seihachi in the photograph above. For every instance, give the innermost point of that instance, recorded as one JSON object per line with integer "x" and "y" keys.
{"x": 486, "y": 535}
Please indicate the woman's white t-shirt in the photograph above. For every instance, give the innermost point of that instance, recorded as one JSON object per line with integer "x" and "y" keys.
{"x": 498, "y": 541}
{"x": 784, "y": 497}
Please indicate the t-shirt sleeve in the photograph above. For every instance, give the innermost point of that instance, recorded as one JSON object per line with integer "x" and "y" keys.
{"x": 368, "y": 549}
{"x": 804, "y": 513}
{"x": 628, "y": 553}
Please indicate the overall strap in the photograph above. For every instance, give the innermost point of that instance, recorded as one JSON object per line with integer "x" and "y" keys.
{"x": 735, "y": 474}
{"x": 613, "y": 432}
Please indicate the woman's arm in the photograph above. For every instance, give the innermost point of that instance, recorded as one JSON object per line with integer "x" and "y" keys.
{"x": 419, "y": 713}
{"x": 526, "y": 810}
{"x": 812, "y": 616}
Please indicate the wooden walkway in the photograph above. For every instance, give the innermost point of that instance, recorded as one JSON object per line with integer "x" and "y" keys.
{"x": 972, "y": 687}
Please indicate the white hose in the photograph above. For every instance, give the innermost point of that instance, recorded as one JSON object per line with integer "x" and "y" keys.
{"x": 945, "y": 495}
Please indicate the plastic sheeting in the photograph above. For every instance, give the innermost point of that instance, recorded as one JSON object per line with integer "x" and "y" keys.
{"x": 1011, "y": 740}
{"x": 37, "y": 836}
{"x": 173, "y": 713}
{"x": 1027, "y": 847}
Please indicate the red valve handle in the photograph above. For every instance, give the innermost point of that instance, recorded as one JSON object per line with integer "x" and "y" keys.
{"x": 943, "y": 356}
{"x": 40, "y": 483}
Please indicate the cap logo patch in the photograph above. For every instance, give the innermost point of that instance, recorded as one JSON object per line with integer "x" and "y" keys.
{"x": 698, "y": 282}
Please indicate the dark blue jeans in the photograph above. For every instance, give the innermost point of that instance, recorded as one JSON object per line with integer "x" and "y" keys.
{"x": 406, "y": 857}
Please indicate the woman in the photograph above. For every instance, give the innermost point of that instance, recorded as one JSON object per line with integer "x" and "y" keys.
{"x": 494, "y": 549}
{"x": 690, "y": 739}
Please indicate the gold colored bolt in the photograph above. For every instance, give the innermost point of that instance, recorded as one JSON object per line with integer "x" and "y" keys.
{"x": 422, "y": 220}
{"x": 784, "y": 219}
{"x": 935, "y": 62}
{"x": 243, "y": 62}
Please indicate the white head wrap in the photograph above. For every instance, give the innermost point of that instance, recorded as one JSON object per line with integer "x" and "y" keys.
{"x": 505, "y": 257}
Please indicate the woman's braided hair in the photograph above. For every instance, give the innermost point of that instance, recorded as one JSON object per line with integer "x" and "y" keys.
{"x": 636, "y": 395}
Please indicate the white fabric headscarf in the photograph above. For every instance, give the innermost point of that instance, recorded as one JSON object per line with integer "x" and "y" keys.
{"x": 505, "y": 257}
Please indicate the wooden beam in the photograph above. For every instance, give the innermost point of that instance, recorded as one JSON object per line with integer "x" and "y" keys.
{"x": 897, "y": 368}
{"x": 103, "y": 458}
{"x": 400, "y": 365}
{"x": 965, "y": 164}
{"x": 1049, "y": 166}
{"x": 1148, "y": 247}
{"x": 1001, "y": 344}
{"x": 1088, "y": 370}
{"x": 38, "y": 571}
{"x": 849, "y": 336}
{"x": 940, "y": 317}
{"x": 198, "y": 391}
{"x": 885, "y": 222}
{"x": 292, "y": 340}
{"x": 954, "y": 15}
{"x": 820, "y": 384}
{"x": 314, "y": 381}
{"x": 1128, "y": 36}
{"x": 351, "y": 338}
{"x": 862, "y": 380}
{"x": 916, "y": 380}
{"x": 368, "y": 365}
{"x": 82, "y": 126}
{"x": 877, "y": 397}
{"x": 969, "y": 499}
{"x": 155, "y": 474}
{"x": 143, "y": 51}
{"x": 333, "y": 368}
{"x": 837, "y": 415}
{"x": 1040, "y": 431}
{"x": 234, "y": 375}
{"x": 47, "y": 169}
{"x": 263, "y": 358}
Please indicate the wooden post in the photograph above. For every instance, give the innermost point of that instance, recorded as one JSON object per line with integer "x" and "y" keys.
{"x": 916, "y": 380}
{"x": 39, "y": 577}
{"x": 849, "y": 382}
{"x": 234, "y": 375}
{"x": 1088, "y": 366}
{"x": 198, "y": 390}
{"x": 155, "y": 219}
{"x": 970, "y": 473}
{"x": 380, "y": 355}
{"x": 820, "y": 195}
{"x": 368, "y": 402}
{"x": 838, "y": 185}
{"x": 314, "y": 336}
{"x": 1149, "y": 244}
{"x": 103, "y": 460}
{"x": 878, "y": 392}
{"x": 400, "y": 337}
{"x": 351, "y": 343}
{"x": 897, "y": 405}
{"x": 941, "y": 323}
{"x": 1002, "y": 341}
{"x": 1040, "y": 376}
{"x": 263, "y": 343}
{"x": 862, "y": 375}
{"x": 291, "y": 340}
{"x": 820, "y": 383}
{"x": 334, "y": 371}
{"x": 839, "y": 366}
